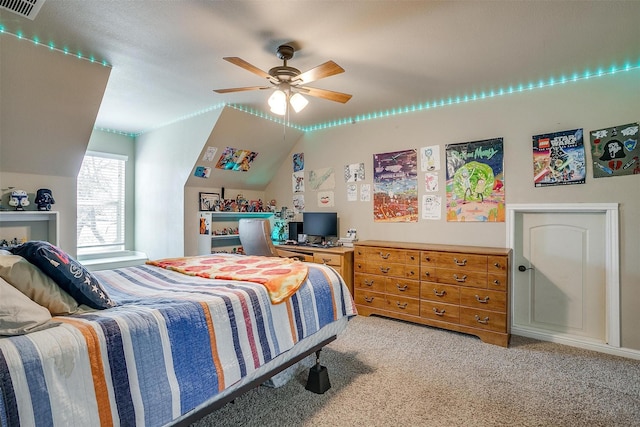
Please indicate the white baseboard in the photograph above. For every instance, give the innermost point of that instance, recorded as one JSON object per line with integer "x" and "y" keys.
{"x": 577, "y": 342}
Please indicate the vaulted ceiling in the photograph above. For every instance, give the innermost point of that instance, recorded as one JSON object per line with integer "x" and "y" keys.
{"x": 166, "y": 56}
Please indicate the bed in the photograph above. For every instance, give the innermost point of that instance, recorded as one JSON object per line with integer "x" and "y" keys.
{"x": 169, "y": 345}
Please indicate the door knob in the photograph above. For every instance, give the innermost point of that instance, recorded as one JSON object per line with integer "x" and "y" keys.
{"x": 523, "y": 268}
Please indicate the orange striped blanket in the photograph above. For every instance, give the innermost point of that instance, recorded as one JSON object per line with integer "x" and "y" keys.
{"x": 280, "y": 276}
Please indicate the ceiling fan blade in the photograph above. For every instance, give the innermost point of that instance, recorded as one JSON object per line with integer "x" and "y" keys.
{"x": 327, "y": 69}
{"x": 241, "y": 89}
{"x": 326, "y": 94}
{"x": 244, "y": 64}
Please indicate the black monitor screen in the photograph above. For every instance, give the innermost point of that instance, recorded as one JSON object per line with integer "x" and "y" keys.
{"x": 320, "y": 223}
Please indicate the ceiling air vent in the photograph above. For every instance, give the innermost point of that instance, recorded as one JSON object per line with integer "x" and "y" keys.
{"x": 27, "y": 8}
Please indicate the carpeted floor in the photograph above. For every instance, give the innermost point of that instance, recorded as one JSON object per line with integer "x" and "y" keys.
{"x": 391, "y": 373}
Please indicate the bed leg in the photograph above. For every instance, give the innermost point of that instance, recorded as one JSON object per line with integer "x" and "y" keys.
{"x": 318, "y": 381}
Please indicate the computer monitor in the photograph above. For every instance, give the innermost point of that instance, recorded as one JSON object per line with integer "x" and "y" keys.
{"x": 320, "y": 224}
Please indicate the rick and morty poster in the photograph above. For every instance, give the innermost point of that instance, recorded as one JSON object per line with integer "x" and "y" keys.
{"x": 475, "y": 181}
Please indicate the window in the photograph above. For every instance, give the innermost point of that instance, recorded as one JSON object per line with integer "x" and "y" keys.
{"x": 101, "y": 200}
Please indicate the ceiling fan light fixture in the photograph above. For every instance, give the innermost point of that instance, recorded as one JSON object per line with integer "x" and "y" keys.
{"x": 298, "y": 102}
{"x": 278, "y": 103}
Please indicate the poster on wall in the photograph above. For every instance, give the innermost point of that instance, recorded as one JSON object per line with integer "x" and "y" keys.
{"x": 325, "y": 199}
{"x": 615, "y": 151}
{"x": 352, "y": 192}
{"x": 431, "y": 181}
{"x": 354, "y": 172}
{"x": 298, "y": 203}
{"x": 298, "y": 162}
{"x": 322, "y": 179}
{"x": 431, "y": 206}
{"x": 235, "y": 159}
{"x": 475, "y": 181}
{"x": 558, "y": 158}
{"x": 395, "y": 186}
{"x": 430, "y": 158}
{"x": 297, "y": 179}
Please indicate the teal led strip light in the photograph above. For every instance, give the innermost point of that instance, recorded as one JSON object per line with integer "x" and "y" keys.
{"x": 51, "y": 46}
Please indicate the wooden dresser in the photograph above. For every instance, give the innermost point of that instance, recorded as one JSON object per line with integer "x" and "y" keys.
{"x": 461, "y": 288}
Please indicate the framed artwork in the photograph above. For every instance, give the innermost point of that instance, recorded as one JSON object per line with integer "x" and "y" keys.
{"x": 208, "y": 201}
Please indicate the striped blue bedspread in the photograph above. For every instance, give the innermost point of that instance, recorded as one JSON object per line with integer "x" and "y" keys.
{"x": 172, "y": 343}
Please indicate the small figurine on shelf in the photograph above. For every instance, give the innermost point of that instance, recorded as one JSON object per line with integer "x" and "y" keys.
{"x": 19, "y": 199}
{"x": 44, "y": 199}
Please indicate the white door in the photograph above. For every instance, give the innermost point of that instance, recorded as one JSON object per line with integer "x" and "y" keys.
{"x": 562, "y": 290}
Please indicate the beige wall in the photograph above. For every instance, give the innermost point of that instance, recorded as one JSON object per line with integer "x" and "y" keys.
{"x": 590, "y": 104}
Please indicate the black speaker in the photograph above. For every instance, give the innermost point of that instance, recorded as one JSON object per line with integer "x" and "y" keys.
{"x": 295, "y": 228}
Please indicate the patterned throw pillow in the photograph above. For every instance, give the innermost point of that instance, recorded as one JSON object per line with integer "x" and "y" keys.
{"x": 68, "y": 273}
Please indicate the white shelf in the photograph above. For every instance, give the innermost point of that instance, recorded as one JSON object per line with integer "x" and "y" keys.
{"x": 29, "y": 225}
{"x": 209, "y": 242}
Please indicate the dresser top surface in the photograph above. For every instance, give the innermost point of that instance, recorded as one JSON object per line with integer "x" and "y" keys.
{"x": 484, "y": 250}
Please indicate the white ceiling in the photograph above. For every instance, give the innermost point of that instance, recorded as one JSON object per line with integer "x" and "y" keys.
{"x": 167, "y": 55}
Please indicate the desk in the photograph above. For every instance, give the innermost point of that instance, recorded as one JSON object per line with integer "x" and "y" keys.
{"x": 339, "y": 257}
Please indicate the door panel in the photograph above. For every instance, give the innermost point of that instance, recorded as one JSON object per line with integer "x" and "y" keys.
{"x": 563, "y": 288}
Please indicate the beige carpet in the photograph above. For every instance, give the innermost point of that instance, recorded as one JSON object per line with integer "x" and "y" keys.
{"x": 390, "y": 373}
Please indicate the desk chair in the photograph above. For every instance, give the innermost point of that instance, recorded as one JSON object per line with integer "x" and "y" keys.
{"x": 255, "y": 238}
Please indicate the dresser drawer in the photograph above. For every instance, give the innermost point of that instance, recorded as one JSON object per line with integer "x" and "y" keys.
{"x": 439, "y": 311}
{"x": 461, "y": 261}
{"x": 475, "y": 279}
{"x": 428, "y": 258}
{"x": 497, "y": 264}
{"x": 396, "y": 256}
{"x": 440, "y": 293}
{"x": 483, "y": 299}
{"x": 386, "y": 269}
{"x": 403, "y": 287}
{"x": 371, "y": 299}
{"x": 370, "y": 282}
{"x": 497, "y": 281}
{"x": 329, "y": 259}
{"x": 404, "y": 305}
{"x": 483, "y": 319}
{"x": 428, "y": 273}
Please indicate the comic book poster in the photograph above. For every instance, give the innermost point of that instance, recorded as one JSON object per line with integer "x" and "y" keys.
{"x": 235, "y": 159}
{"x": 395, "y": 186}
{"x": 615, "y": 151}
{"x": 558, "y": 158}
{"x": 475, "y": 181}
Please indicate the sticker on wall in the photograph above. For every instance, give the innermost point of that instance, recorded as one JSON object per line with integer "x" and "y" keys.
{"x": 558, "y": 158}
{"x": 352, "y": 192}
{"x": 298, "y": 182}
{"x": 202, "y": 172}
{"x": 298, "y": 203}
{"x": 209, "y": 154}
{"x": 395, "y": 186}
{"x": 431, "y": 206}
{"x": 325, "y": 199}
{"x": 615, "y": 151}
{"x": 322, "y": 179}
{"x": 430, "y": 158}
{"x": 365, "y": 192}
{"x": 236, "y": 160}
{"x": 298, "y": 162}
{"x": 475, "y": 181}
{"x": 431, "y": 181}
{"x": 354, "y": 172}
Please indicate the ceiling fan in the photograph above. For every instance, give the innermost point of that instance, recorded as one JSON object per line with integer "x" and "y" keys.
{"x": 289, "y": 82}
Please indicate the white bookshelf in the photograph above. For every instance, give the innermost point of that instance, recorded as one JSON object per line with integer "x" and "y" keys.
{"x": 29, "y": 225}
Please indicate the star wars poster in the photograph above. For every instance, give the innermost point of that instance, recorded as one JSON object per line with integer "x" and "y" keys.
{"x": 395, "y": 187}
{"x": 475, "y": 181}
{"x": 615, "y": 151}
{"x": 558, "y": 158}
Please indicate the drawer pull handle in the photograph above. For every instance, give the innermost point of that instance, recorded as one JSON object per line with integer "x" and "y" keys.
{"x": 439, "y": 294}
{"x": 496, "y": 264}
{"x": 460, "y": 263}
{"x": 426, "y": 273}
{"x": 385, "y": 256}
{"x": 385, "y": 269}
{"x": 369, "y": 299}
{"x": 402, "y": 288}
{"x": 496, "y": 282}
{"x": 325, "y": 260}
{"x": 411, "y": 257}
{"x": 368, "y": 282}
{"x": 484, "y": 300}
{"x": 460, "y": 279}
{"x": 439, "y": 313}
{"x": 401, "y": 305}
{"x": 411, "y": 273}
{"x": 483, "y": 321}
{"x": 427, "y": 258}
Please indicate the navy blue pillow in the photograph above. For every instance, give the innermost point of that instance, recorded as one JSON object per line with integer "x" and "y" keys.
{"x": 68, "y": 273}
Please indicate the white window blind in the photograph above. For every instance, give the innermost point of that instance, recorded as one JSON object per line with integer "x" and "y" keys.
{"x": 101, "y": 199}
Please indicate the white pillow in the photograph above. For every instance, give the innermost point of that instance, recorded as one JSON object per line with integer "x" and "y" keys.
{"x": 18, "y": 314}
